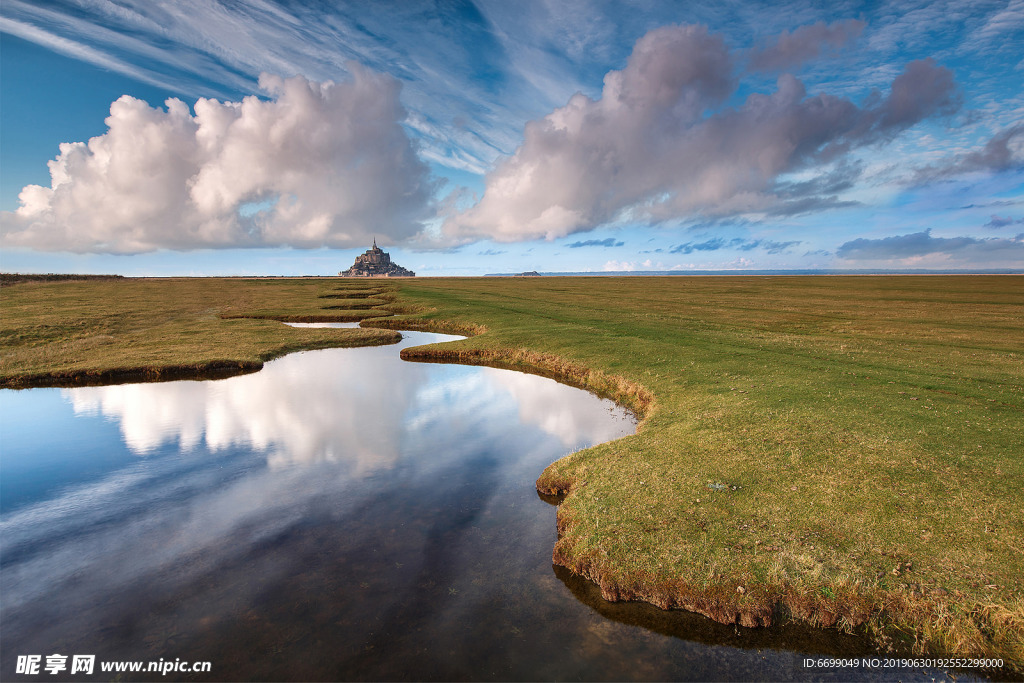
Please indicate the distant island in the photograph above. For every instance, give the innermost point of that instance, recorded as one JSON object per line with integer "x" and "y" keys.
{"x": 375, "y": 262}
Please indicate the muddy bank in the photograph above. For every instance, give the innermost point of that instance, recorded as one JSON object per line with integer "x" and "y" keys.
{"x": 728, "y": 601}
{"x": 353, "y": 294}
{"x": 355, "y": 316}
{"x": 909, "y": 623}
{"x": 208, "y": 370}
{"x": 217, "y": 369}
{"x": 691, "y": 626}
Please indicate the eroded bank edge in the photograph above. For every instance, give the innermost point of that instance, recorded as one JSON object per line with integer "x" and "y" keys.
{"x": 208, "y": 370}
{"x": 169, "y": 372}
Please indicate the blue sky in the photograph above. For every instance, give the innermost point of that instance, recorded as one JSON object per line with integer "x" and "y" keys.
{"x": 480, "y": 137}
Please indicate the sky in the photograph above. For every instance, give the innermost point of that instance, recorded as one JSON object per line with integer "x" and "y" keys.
{"x": 200, "y": 137}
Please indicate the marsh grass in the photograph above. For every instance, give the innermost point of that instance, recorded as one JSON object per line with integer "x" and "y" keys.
{"x": 844, "y": 451}
{"x": 54, "y": 332}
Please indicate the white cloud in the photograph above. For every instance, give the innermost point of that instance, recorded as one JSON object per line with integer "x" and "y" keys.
{"x": 659, "y": 144}
{"x": 478, "y": 70}
{"x": 293, "y": 415}
{"x": 618, "y": 266}
{"x": 330, "y": 162}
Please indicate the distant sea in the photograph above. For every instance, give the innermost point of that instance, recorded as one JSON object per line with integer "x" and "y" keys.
{"x": 866, "y": 271}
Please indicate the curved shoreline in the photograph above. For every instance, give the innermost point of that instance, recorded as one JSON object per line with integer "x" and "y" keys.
{"x": 892, "y": 621}
{"x": 716, "y": 604}
{"x": 627, "y": 394}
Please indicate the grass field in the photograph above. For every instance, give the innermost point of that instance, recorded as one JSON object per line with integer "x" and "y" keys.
{"x": 846, "y": 451}
{"x": 115, "y": 330}
{"x": 840, "y": 450}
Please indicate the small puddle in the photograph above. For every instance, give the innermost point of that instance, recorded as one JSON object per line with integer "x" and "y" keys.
{"x": 335, "y": 325}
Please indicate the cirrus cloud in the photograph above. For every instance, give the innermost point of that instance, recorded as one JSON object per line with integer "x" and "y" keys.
{"x": 316, "y": 164}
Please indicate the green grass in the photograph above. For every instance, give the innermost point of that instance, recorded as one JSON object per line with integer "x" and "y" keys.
{"x": 840, "y": 450}
{"x": 88, "y": 331}
{"x": 846, "y": 451}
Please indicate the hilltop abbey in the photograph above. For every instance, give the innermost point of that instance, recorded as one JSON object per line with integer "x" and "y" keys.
{"x": 375, "y": 262}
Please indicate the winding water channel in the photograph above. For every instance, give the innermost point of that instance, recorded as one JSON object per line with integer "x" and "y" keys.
{"x": 339, "y": 515}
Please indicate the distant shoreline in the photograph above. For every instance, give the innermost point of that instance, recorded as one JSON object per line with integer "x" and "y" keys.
{"x": 16, "y": 278}
{"x": 7, "y": 279}
{"x": 662, "y": 273}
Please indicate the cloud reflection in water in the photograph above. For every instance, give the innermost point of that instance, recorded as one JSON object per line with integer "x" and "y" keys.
{"x": 348, "y": 409}
{"x": 237, "y": 473}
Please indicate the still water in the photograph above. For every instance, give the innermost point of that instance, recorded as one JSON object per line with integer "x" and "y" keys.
{"x": 339, "y": 515}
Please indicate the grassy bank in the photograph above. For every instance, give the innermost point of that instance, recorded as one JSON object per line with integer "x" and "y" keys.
{"x": 54, "y": 332}
{"x": 846, "y": 451}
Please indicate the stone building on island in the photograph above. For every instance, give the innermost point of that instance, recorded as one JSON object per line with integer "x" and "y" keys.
{"x": 375, "y": 262}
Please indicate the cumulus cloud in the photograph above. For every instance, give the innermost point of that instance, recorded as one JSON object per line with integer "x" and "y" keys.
{"x": 920, "y": 244}
{"x": 316, "y": 164}
{"x": 804, "y": 43}
{"x": 924, "y": 88}
{"x": 659, "y": 143}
